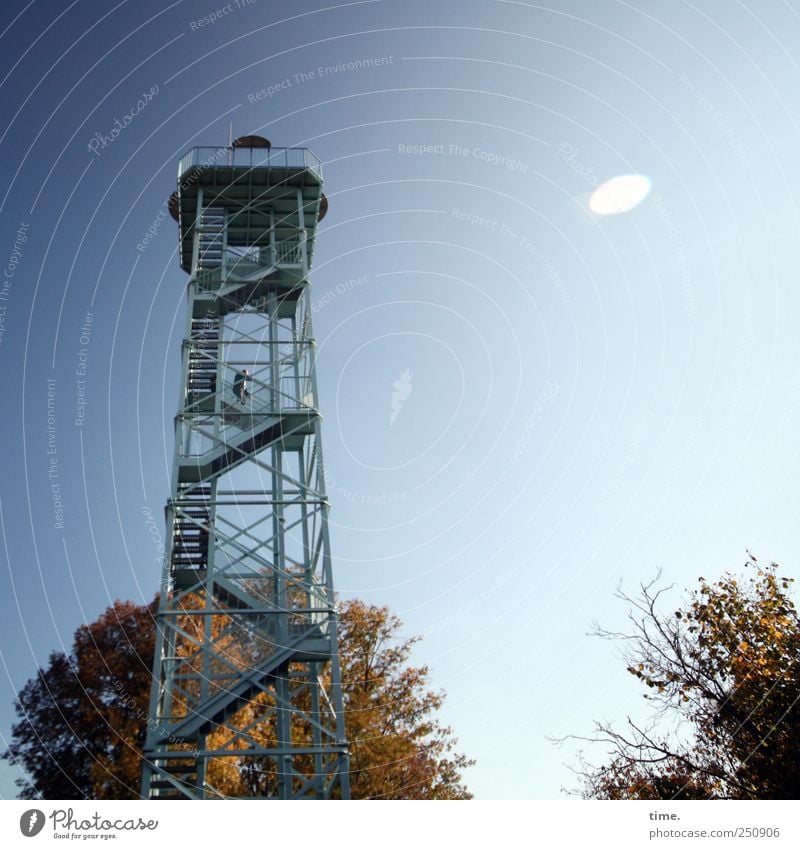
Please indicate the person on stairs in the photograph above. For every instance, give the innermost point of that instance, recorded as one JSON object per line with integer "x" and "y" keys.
{"x": 240, "y": 385}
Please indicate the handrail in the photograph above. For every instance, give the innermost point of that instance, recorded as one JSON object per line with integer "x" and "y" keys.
{"x": 299, "y": 158}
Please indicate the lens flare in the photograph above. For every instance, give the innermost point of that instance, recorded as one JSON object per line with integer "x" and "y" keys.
{"x": 619, "y": 194}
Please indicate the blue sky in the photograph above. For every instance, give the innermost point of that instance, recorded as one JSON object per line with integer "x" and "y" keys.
{"x": 587, "y": 398}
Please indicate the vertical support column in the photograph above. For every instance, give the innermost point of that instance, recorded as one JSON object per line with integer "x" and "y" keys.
{"x": 327, "y": 574}
{"x": 282, "y": 690}
{"x": 273, "y": 254}
{"x": 301, "y": 232}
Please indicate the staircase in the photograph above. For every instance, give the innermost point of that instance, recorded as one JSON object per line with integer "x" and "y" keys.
{"x": 312, "y": 644}
{"x": 201, "y": 379}
{"x": 240, "y": 443}
{"x": 212, "y": 236}
{"x": 189, "y": 557}
{"x": 175, "y": 780}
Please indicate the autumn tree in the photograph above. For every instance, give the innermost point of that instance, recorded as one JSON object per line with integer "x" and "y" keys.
{"x": 398, "y": 748}
{"x": 723, "y": 674}
{"x": 83, "y": 718}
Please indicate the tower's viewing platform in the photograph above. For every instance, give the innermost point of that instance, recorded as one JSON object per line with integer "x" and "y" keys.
{"x": 260, "y": 189}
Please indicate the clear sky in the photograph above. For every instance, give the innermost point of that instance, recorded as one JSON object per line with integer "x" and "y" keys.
{"x": 586, "y": 398}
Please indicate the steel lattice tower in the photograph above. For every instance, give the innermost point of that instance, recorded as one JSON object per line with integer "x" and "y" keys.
{"x": 246, "y": 689}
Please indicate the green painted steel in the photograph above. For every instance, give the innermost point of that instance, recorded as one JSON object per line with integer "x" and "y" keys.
{"x": 246, "y": 699}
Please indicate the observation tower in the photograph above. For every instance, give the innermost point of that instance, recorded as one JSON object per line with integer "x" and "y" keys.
{"x": 246, "y": 699}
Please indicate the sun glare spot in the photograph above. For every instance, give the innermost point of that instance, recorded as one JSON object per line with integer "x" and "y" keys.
{"x": 620, "y": 194}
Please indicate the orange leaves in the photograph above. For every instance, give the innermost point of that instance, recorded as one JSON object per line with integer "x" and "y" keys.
{"x": 398, "y": 748}
{"x": 725, "y": 670}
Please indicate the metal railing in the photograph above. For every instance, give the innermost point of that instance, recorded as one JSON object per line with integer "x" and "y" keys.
{"x": 283, "y": 158}
{"x": 202, "y": 435}
{"x": 236, "y": 263}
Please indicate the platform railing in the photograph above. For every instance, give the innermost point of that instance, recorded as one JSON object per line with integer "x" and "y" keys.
{"x": 243, "y": 261}
{"x": 279, "y": 158}
{"x": 203, "y": 435}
